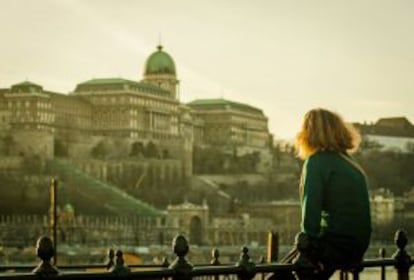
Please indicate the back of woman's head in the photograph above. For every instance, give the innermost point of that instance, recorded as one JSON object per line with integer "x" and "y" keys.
{"x": 323, "y": 130}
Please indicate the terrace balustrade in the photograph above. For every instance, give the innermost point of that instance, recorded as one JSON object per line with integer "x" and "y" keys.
{"x": 182, "y": 269}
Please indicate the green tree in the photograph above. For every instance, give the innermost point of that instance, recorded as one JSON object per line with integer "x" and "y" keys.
{"x": 387, "y": 169}
{"x": 100, "y": 150}
{"x": 9, "y": 145}
{"x": 60, "y": 149}
{"x": 151, "y": 150}
{"x": 277, "y": 155}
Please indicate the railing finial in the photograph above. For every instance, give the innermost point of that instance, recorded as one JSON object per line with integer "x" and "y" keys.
{"x": 248, "y": 267}
{"x": 382, "y": 252}
{"x": 45, "y": 251}
{"x": 120, "y": 268}
{"x": 215, "y": 254}
{"x": 180, "y": 246}
{"x": 111, "y": 255}
{"x": 401, "y": 239}
{"x": 244, "y": 256}
{"x": 403, "y": 260}
{"x": 262, "y": 260}
{"x": 181, "y": 266}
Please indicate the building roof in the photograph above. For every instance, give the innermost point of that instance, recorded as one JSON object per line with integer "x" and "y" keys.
{"x": 394, "y": 122}
{"x": 394, "y": 126}
{"x": 221, "y": 103}
{"x": 26, "y": 86}
{"x": 102, "y": 81}
{"x": 26, "y": 83}
{"x": 105, "y": 82}
{"x": 159, "y": 62}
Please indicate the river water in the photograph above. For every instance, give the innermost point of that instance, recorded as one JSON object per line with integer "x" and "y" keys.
{"x": 375, "y": 274}
{"x": 367, "y": 274}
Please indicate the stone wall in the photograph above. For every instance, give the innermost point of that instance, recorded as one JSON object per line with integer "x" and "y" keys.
{"x": 34, "y": 142}
{"x": 136, "y": 170}
{"x": 170, "y": 150}
{"x": 23, "y": 231}
{"x": 251, "y": 179}
{"x": 10, "y": 163}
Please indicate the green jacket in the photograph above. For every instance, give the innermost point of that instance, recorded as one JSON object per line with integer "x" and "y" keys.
{"x": 335, "y": 200}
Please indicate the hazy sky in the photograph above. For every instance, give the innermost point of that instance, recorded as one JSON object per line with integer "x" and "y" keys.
{"x": 355, "y": 57}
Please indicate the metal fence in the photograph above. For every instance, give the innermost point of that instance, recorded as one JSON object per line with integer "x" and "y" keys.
{"x": 182, "y": 269}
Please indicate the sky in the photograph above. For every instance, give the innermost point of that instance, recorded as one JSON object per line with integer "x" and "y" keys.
{"x": 354, "y": 57}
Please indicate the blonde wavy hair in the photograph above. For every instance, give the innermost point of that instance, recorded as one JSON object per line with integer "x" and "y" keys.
{"x": 323, "y": 130}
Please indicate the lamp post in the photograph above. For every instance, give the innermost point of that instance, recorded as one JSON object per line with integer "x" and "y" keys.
{"x": 53, "y": 216}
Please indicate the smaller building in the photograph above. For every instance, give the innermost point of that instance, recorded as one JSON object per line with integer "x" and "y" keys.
{"x": 231, "y": 123}
{"x": 235, "y": 128}
{"x": 396, "y": 133}
{"x": 237, "y": 229}
{"x": 202, "y": 228}
{"x": 285, "y": 216}
{"x": 189, "y": 219}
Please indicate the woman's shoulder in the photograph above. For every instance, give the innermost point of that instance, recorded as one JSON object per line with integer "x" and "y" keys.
{"x": 323, "y": 155}
{"x": 320, "y": 159}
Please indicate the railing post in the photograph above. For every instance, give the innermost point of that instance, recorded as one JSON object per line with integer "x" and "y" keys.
{"x": 248, "y": 267}
{"x": 45, "y": 251}
{"x": 343, "y": 275}
{"x": 180, "y": 265}
{"x": 262, "y": 261}
{"x": 305, "y": 262}
{"x": 165, "y": 263}
{"x": 120, "y": 268}
{"x": 403, "y": 260}
{"x": 382, "y": 256}
{"x": 356, "y": 271}
{"x": 272, "y": 246}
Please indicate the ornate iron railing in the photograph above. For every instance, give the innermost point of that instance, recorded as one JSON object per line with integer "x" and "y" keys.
{"x": 182, "y": 269}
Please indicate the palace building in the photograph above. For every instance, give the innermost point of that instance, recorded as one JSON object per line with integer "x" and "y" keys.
{"x": 32, "y": 118}
{"x": 231, "y": 123}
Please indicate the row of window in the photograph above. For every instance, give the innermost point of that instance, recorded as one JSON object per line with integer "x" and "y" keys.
{"x": 27, "y": 104}
{"x": 38, "y": 127}
{"x": 134, "y": 101}
{"x": 29, "y": 116}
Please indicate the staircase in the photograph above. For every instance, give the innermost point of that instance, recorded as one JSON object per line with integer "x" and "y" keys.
{"x": 91, "y": 196}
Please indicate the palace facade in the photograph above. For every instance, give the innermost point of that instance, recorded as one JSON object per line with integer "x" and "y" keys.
{"x": 32, "y": 118}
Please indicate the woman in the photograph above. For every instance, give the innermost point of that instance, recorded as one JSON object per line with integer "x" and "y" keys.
{"x": 336, "y": 220}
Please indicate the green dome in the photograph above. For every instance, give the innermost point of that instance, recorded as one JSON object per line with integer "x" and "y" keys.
{"x": 159, "y": 62}
{"x": 68, "y": 208}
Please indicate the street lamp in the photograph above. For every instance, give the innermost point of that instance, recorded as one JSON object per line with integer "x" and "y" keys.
{"x": 53, "y": 215}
